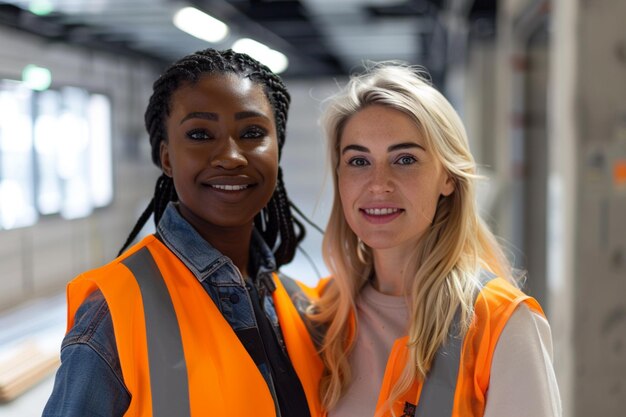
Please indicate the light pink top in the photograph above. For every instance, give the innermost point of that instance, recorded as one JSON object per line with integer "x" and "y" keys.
{"x": 522, "y": 376}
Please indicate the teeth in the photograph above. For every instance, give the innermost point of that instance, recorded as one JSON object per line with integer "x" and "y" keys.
{"x": 381, "y": 211}
{"x": 230, "y": 187}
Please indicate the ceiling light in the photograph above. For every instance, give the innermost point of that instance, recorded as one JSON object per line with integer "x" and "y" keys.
{"x": 41, "y": 7}
{"x": 36, "y": 78}
{"x": 200, "y": 25}
{"x": 275, "y": 60}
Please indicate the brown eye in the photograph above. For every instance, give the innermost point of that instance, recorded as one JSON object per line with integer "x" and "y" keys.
{"x": 254, "y": 132}
{"x": 198, "y": 134}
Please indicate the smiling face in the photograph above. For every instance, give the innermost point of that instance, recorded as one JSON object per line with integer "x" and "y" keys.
{"x": 389, "y": 182}
{"x": 221, "y": 152}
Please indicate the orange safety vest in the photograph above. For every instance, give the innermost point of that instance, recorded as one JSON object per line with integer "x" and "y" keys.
{"x": 458, "y": 381}
{"x": 178, "y": 355}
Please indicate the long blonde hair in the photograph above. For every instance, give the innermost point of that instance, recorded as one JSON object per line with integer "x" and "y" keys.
{"x": 449, "y": 255}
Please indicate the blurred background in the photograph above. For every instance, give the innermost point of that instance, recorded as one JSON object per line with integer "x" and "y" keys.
{"x": 540, "y": 85}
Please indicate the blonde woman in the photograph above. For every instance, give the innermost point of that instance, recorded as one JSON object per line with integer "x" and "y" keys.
{"x": 422, "y": 316}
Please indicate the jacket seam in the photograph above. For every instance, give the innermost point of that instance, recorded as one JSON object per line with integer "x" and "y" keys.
{"x": 87, "y": 338}
{"x": 94, "y": 348}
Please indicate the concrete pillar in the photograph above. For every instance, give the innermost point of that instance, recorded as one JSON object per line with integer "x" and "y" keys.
{"x": 586, "y": 186}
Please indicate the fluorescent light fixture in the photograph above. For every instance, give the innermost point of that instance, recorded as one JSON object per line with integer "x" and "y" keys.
{"x": 275, "y": 60}
{"x": 200, "y": 25}
{"x": 100, "y": 175}
{"x": 41, "y": 7}
{"x": 36, "y": 78}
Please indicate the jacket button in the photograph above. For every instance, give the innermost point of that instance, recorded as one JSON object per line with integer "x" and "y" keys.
{"x": 234, "y": 298}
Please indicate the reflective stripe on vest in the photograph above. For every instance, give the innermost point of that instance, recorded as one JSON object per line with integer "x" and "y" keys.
{"x": 167, "y": 367}
{"x": 437, "y": 396}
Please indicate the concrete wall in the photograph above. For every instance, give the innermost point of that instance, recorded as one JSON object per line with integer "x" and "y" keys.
{"x": 600, "y": 294}
{"x": 585, "y": 236}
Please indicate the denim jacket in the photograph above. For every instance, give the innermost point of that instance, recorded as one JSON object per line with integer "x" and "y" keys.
{"x": 89, "y": 381}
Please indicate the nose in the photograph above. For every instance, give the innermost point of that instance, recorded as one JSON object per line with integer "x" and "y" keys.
{"x": 380, "y": 180}
{"x": 228, "y": 155}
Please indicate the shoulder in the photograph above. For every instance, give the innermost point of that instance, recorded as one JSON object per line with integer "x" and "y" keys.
{"x": 523, "y": 358}
{"x": 301, "y": 295}
{"x": 303, "y": 298}
{"x": 89, "y": 380}
{"x": 526, "y": 329}
{"x": 508, "y": 327}
{"x": 294, "y": 286}
{"x": 93, "y": 327}
{"x": 497, "y": 303}
{"x": 109, "y": 272}
{"x": 90, "y": 318}
{"x": 114, "y": 275}
{"x": 502, "y": 297}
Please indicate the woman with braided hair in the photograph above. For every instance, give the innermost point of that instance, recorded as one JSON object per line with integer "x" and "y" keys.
{"x": 194, "y": 319}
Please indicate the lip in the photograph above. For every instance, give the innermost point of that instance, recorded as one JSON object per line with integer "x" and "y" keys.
{"x": 381, "y": 218}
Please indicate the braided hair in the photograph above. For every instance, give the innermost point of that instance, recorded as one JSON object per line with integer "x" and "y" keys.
{"x": 280, "y": 230}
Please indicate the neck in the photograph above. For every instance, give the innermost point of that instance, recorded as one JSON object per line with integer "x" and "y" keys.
{"x": 390, "y": 270}
{"x": 231, "y": 241}
{"x": 235, "y": 244}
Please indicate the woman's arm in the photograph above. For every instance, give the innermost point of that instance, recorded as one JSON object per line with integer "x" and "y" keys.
{"x": 89, "y": 381}
{"x": 522, "y": 382}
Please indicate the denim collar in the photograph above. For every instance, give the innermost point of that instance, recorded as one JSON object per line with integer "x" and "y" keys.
{"x": 202, "y": 259}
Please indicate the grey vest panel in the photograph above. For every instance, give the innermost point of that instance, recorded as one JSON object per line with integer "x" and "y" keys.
{"x": 437, "y": 397}
{"x": 302, "y": 302}
{"x": 168, "y": 370}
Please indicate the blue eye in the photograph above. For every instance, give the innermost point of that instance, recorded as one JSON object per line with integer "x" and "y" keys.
{"x": 198, "y": 134}
{"x": 254, "y": 132}
{"x": 358, "y": 162}
{"x": 406, "y": 160}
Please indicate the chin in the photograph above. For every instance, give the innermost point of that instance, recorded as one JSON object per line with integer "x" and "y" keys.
{"x": 386, "y": 241}
{"x": 380, "y": 242}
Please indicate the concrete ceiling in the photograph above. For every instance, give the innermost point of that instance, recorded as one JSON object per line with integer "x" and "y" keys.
{"x": 320, "y": 37}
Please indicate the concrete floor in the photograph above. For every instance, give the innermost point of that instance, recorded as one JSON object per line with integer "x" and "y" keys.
{"x": 40, "y": 323}
{"x": 31, "y": 403}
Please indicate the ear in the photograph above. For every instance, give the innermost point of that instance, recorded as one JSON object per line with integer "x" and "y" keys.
{"x": 448, "y": 185}
{"x": 166, "y": 165}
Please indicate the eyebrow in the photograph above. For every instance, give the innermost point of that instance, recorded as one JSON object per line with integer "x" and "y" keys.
{"x": 200, "y": 115}
{"x": 215, "y": 117}
{"x": 396, "y": 147}
{"x": 248, "y": 114}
